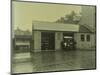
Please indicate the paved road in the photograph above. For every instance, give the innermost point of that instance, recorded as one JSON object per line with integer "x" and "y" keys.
{"x": 55, "y": 61}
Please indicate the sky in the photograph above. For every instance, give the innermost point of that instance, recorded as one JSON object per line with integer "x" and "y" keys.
{"x": 23, "y": 13}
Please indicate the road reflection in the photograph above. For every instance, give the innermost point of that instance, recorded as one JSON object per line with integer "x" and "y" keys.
{"x": 57, "y": 61}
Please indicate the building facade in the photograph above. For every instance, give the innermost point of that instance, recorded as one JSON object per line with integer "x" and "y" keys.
{"x": 85, "y": 38}
{"x": 48, "y": 36}
{"x": 22, "y": 40}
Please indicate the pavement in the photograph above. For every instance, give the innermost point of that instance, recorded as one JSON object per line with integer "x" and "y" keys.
{"x": 53, "y": 61}
{"x": 22, "y": 57}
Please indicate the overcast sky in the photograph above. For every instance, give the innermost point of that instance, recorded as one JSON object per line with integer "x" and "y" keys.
{"x": 23, "y": 13}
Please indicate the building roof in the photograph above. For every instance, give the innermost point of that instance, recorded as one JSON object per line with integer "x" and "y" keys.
{"x": 52, "y": 26}
{"x": 23, "y": 36}
{"x": 85, "y": 29}
{"x": 19, "y": 31}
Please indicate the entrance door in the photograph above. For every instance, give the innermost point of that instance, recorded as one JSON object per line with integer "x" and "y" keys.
{"x": 68, "y": 41}
{"x": 47, "y": 41}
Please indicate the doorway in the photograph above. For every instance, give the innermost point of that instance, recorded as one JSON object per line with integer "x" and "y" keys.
{"x": 68, "y": 41}
{"x": 47, "y": 40}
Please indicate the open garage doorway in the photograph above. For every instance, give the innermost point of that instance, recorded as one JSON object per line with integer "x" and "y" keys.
{"x": 47, "y": 41}
{"x": 68, "y": 41}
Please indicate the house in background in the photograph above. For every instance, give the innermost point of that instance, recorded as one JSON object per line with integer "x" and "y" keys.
{"x": 22, "y": 40}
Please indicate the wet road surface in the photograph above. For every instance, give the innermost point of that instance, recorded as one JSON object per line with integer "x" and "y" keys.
{"x": 55, "y": 61}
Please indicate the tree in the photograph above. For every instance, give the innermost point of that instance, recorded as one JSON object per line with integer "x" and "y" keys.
{"x": 71, "y": 18}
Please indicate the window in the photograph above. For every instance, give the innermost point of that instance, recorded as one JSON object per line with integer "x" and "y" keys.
{"x": 82, "y": 37}
{"x": 88, "y": 37}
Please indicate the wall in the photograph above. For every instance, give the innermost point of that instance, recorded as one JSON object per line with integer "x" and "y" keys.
{"x": 37, "y": 41}
{"x": 58, "y": 39}
{"x": 85, "y": 44}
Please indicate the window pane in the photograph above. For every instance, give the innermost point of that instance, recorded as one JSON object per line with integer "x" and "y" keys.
{"x": 88, "y": 37}
{"x": 82, "y": 38}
